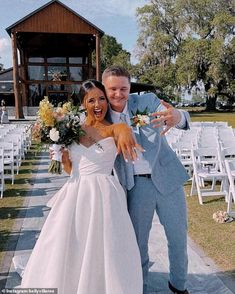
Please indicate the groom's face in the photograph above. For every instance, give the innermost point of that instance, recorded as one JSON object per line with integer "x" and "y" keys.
{"x": 117, "y": 90}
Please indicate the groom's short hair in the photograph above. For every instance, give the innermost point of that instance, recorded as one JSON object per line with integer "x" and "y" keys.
{"x": 116, "y": 70}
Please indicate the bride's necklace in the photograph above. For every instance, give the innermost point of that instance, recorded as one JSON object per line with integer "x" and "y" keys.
{"x": 92, "y": 140}
{"x": 97, "y": 144}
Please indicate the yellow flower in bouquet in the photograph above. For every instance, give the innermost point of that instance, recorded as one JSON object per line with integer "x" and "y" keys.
{"x": 46, "y": 113}
{"x": 66, "y": 107}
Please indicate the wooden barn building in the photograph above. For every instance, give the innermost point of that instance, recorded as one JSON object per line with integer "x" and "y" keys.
{"x": 52, "y": 54}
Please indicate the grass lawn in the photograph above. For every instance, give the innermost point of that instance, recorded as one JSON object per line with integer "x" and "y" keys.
{"x": 13, "y": 198}
{"x": 217, "y": 240}
{"x": 214, "y": 116}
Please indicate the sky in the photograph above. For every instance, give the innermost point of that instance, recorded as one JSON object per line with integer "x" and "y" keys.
{"x": 116, "y": 18}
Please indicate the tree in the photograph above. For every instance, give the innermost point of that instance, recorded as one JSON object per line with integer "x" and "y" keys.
{"x": 184, "y": 42}
{"x": 112, "y": 53}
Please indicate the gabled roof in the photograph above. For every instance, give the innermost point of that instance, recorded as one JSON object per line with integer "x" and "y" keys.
{"x": 9, "y": 29}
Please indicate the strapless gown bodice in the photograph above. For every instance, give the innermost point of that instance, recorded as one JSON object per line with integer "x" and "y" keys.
{"x": 97, "y": 159}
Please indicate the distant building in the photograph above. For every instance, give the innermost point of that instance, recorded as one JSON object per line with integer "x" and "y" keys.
{"x": 52, "y": 55}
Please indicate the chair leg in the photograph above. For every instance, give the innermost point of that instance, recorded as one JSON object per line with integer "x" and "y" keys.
{"x": 12, "y": 174}
{"x": 198, "y": 190}
{"x": 193, "y": 190}
{"x": 230, "y": 199}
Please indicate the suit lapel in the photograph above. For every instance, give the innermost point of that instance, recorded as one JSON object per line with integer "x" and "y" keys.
{"x": 132, "y": 107}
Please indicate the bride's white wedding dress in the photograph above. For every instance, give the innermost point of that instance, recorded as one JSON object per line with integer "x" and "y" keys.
{"x": 87, "y": 244}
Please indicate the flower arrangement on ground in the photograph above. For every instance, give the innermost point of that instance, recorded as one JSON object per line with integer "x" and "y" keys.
{"x": 222, "y": 217}
{"x": 59, "y": 126}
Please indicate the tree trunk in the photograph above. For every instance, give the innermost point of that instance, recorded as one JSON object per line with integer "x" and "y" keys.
{"x": 211, "y": 103}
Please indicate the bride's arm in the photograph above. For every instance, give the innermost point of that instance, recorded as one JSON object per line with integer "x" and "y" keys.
{"x": 124, "y": 139}
{"x": 67, "y": 164}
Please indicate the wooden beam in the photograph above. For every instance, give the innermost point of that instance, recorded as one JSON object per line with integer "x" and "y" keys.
{"x": 23, "y": 78}
{"x": 97, "y": 46}
{"x": 18, "y": 104}
{"x": 90, "y": 68}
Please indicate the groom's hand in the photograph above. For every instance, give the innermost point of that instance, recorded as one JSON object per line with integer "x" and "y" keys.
{"x": 169, "y": 117}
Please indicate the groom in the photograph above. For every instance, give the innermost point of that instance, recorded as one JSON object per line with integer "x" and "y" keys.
{"x": 155, "y": 181}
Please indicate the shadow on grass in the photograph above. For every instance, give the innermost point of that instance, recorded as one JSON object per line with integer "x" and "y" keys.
{"x": 22, "y": 212}
{"x": 28, "y": 239}
{"x": 214, "y": 200}
{"x": 26, "y": 192}
{"x": 41, "y": 163}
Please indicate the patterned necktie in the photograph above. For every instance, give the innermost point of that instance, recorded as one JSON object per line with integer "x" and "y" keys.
{"x": 123, "y": 117}
{"x": 126, "y": 176}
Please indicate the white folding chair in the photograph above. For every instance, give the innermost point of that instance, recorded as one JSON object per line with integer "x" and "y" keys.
{"x": 230, "y": 168}
{"x": 183, "y": 152}
{"x": 8, "y": 160}
{"x": 17, "y": 150}
{"x": 207, "y": 167}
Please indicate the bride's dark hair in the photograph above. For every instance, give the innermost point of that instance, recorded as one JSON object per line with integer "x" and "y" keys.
{"x": 87, "y": 86}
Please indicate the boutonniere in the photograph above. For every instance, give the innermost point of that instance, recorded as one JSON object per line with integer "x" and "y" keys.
{"x": 140, "y": 118}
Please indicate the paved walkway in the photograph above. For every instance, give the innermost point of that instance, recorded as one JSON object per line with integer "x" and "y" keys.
{"x": 204, "y": 277}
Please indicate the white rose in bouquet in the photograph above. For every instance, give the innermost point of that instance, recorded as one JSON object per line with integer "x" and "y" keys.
{"x": 54, "y": 135}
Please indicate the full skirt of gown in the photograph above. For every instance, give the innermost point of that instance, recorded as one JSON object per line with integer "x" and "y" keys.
{"x": 87, "y": 244}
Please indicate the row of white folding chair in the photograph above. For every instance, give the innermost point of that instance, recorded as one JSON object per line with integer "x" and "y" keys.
{"x": 21, "y": 138}
{"x": 230, "y": 168}
{"x": 12, "y": 149}
{"x": 8, "y": 160}
{"x": 17, "y": 149}
{"x": 208, "y": 167}
{"x": 209, "y": 123}
{"x": 4, "y": 130}
{"x": 183, "y": 152}
{"x": 26, "y": 136}
{"x": 173, "y": 135}
{"x": 213, "y": 168}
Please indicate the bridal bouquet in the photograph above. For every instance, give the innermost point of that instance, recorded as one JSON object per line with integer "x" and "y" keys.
{"x": 59, "y": 126}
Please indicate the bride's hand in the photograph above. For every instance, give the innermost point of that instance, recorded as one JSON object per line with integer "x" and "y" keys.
{"x": 67, "y": 164}
{"x": 126, "y": 143}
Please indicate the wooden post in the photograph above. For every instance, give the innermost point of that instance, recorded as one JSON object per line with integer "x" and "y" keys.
{"x": 89, "y": 63}
{"x": 98, "y": 73}
{"x": 24, "y": 87}
{"x": 18, "y": 104}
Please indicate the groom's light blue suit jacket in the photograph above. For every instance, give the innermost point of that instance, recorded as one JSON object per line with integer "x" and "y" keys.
{"x": 168, "y": 173}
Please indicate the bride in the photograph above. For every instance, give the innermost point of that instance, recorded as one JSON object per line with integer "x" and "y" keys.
{"x": 87, "y": 244}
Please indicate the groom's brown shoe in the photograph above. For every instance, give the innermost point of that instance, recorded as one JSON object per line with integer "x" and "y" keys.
{"x": 176, "y": 291}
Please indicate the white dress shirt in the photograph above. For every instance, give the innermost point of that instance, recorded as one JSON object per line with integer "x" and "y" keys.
{"x": 141, "y": 165}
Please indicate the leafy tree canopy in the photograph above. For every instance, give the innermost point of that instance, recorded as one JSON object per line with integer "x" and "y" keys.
{"x": 182, "y": 42}
{"x": 112, "y": 53}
